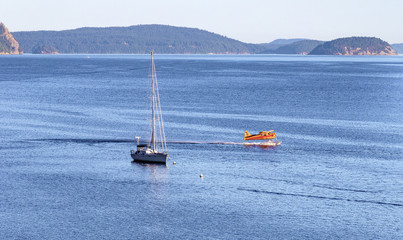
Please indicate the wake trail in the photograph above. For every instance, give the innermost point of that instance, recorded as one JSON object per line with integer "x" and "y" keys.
{"x": 323, "y": 197}
{"x": 80, "y": 140}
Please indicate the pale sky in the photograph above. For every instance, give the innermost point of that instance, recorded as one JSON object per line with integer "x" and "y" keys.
{"x": 252, "y": 21}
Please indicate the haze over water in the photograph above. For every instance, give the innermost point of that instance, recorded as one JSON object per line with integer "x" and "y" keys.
{"x": 68, "y": 123}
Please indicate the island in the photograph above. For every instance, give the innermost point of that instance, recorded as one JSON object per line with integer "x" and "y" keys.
{"x": 138, "y": 39}
{"x": 8, "y": 45}
{"x": 398, "y": 47}
{"x": 165, "y": 39}
{"x": 354, "y": 46}
{"x": 44, "y": 49}
{"x": 302, "y": 47}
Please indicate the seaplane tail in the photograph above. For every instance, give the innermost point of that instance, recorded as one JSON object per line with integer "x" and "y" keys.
{"x": 247, "y": 134}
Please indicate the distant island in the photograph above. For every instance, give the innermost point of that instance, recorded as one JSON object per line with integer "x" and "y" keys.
{"x": 44, "y": 49}
{"x": 165, "y": 39}
{"x": 8, "y": 45}
{"x": 134, "y": 40}
{"x": 398, "y": 47}
{"x": 354, "y": 46}
{"x": 304, "y": 47}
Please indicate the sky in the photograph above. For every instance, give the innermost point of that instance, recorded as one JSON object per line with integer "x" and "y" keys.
{"x": 251, "y": 21}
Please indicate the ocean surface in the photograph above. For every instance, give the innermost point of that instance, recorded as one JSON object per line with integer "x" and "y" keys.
{"x": 68, "y": 123}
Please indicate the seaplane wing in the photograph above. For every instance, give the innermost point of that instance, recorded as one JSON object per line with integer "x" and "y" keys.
{"x": 264, "y": 135}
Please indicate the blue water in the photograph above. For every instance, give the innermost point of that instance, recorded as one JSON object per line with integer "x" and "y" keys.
{"x": 67, "y": 124}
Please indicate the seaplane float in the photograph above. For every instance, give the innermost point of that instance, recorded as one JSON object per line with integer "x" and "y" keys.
{"x": 269, "y": 136}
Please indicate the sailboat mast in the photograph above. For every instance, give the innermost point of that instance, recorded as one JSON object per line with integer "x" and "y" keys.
{"x": 153, "y": 102}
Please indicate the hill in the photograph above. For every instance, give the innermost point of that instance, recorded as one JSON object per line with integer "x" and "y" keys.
{"x": 299, "y": 47}
{"x": 354, "y": 46}
{"x": 398, "y": 47}
{"x": 44, "y": 49}
{"x": 282, "y": 41}
{"x": 133, "y": 39}
{"x": 269, "y": 48}
{"x": 8, "y": 45}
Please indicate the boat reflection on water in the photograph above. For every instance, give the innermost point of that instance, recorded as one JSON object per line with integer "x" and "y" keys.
{"x": 150, "y": 165}
{"x": 154, "y": 172}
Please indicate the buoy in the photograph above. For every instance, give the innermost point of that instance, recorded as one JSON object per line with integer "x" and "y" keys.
{"x": 174, "y": 163}
{"x": 201, "y": 175}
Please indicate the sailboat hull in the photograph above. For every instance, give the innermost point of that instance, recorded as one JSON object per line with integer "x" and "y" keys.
{"x": 150, "y": 157}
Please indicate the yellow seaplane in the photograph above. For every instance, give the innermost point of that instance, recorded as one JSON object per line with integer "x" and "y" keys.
{"x": 264, "y": 135}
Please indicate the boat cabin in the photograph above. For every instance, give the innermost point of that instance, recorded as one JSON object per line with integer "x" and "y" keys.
{"x": 142, "y": 147}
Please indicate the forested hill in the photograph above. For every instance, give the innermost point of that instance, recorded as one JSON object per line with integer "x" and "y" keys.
{"x": 354, "y": 46}
{"x": 134, "y": 39}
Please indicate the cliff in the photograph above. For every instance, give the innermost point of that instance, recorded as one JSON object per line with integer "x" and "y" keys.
{"x": 354, "y": 46}
{"x": 8, "y": 45}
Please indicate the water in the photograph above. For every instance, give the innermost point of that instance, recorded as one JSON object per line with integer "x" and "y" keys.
{"x": 68, "y": 123}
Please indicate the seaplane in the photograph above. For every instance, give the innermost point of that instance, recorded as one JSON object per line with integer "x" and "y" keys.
{"x": 263, "y": 135}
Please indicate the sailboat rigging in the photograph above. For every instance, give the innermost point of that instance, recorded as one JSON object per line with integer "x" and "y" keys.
{"x": 155, "y": 151}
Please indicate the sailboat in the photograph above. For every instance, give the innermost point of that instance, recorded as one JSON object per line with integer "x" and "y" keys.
{"x": 156, "y": 150}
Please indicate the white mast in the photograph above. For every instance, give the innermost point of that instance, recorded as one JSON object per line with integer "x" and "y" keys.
{"x": 153, "y": 102}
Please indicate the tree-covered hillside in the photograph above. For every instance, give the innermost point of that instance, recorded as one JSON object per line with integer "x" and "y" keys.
{"x": 134, "y": 39}
{"x": 354, "y": 46}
